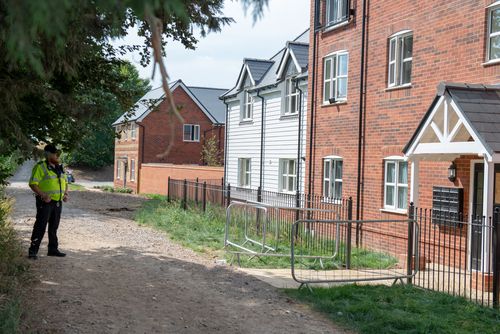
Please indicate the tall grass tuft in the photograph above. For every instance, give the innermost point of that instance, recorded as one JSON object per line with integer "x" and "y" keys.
{"x": 13, "y": 270}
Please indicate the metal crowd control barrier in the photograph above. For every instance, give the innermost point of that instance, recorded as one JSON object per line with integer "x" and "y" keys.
{"x": 388, "y": 251}
{"x": 260, "y": 230}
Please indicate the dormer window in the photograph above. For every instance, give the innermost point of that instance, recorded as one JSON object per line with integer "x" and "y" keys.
{"x": 291, "y": 97}
{"x": 247, "y": 111}
{"x": 337, "y": 11}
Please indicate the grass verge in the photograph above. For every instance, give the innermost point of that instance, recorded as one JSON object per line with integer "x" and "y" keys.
{"x": 115, "y": 190}
{"x": 13, "y": 271}
{"x": 204, "y": 232}
{"x": 76, "y": 187}
{"x": 399, "y": 309}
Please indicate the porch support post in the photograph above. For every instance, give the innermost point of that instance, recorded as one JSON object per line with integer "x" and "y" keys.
{"x": 489, "y": 173}
{"x": 414, "y": 182}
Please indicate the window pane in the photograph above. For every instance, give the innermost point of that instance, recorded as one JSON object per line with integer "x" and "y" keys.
{"x": 338, "y": 170}
{"x": 408, "y": 46}
{"x": 333, "y": 10}
{"x": 342, "y": 64}
{"x": 328, "y": 69}
{"x": 406, "y": 72}
{"x": 392, "y": 50}
{"x": 495, "y": 47}
{"x": 187, "y": 132}
{"x": 338, "y": 189}
{"x": 495, "y": 20}
{"x": 293, "y": 104}
{"x": 402, "y": 195}
{"x": 283, "y": 167}
{"x": 326, "y": 188}
{"x": 392, "y": 73}
{"x": 389, "y": 195}
{"x": 326, "y": 94}
{"x": 327, "y": 169}
{"x": 342, "y": 87}
{"x": 391, "y": 172}
{"x": 291, "y": 167}
{"x": 403, "y": 173}
{"x": 291, "y": 184}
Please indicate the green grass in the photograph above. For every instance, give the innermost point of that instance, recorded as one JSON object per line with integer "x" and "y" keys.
{"x": 76, "y": 187}
{"x": 204, "y": 232}
{"x": 13, "y": 270}
{"x": 399, "y": 309}
{"x": 115, "y": 190}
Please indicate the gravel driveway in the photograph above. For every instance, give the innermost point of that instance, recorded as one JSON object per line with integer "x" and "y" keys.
{"x": 122, "y": 278}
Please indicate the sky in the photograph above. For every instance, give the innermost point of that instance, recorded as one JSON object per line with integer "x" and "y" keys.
{"x": 217, "y": 60}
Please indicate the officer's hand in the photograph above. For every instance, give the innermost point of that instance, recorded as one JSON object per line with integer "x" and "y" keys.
{"x": 46, "y": 198}
{"x": 65, "y": 198}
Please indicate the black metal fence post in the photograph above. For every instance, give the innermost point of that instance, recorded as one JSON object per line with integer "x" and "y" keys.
{"x": 349, "y": 235}
{"x": 168, "y": 190}
{"x": 196, "y": 192}
{"x": 228, "y": 194}
{"x": 496, "y": 257}
{"x": 409, "y": 260}
{"x": 184, "y": 195}
{"x": 204, "y": 196}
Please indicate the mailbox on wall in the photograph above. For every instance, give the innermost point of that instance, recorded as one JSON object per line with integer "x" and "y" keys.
{"x": 447, "y": 205}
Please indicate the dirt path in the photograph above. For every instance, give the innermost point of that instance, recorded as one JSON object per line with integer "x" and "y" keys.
{"x": 122, "y": 278}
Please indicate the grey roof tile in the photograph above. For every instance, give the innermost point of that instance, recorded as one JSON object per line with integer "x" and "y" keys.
{"x": 209, "y": 98}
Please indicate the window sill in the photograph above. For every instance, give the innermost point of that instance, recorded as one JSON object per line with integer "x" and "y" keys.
{"x": 334, "y": 26}
{"x": 405, "y": 86}
{"x": 191, "y": 141}
{"x": 396, "y": 211}
{"x": 246, "y": 121}
{"x": 338, "y": 103}
{"x": 289, "y": 116}
{"x": 491, "y": 62}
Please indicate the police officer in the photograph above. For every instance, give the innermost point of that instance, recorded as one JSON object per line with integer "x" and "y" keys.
{"x": 50, "y": 186}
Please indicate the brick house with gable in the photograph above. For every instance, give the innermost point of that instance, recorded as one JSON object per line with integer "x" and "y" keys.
{"x": 429, "y": 73}
{"x": 146, "y": 134}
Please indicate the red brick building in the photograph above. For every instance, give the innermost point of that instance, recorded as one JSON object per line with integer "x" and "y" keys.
{"x": 379, "y": 126}
{"x": 151, "y": 129}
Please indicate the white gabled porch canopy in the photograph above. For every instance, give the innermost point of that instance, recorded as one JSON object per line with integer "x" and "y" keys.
{"x": 463, "y": 119}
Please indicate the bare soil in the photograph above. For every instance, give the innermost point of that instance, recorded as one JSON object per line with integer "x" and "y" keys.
{"x": 119, "y": 277}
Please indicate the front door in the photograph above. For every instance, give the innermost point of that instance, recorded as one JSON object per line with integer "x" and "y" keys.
{"x": 477, "y": 216}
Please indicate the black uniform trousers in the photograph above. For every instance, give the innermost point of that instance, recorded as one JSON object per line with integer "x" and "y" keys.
{"x": 46, "y": 213}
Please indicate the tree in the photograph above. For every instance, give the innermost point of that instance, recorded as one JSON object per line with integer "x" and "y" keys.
{"x": 56, "y": 58}
{"x": 96, "y": 148}
{"x": 210, "y": 153}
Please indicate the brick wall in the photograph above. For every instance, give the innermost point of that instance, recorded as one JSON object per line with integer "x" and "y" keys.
{"x": 158, "y": 133}
{"x": 129, "y": 148}
{"x": 448, "y": 45}
{"x": 154, "y": 177}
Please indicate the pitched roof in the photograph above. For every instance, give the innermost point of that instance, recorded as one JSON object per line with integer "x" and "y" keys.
{"x": 267, "y": 68}
{"x": 206, "y": 98}
{"x": 480, "y": 106}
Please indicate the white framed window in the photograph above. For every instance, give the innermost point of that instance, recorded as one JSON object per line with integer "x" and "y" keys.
{"x": 335, "y": 67}
{"x": 244, "y": 172}
{"x": 400, "y": 59}
{"x": 336, "y": 11}
{"x": 247, "y": 111}
{"x": 125, "y": 131}
{"x": 396, "y": 185}
{"x": 493, "y": 43}
{"x": 118, "y": 169}
{"x": 133, "y": 131}
{"x": 291, "y": 97}
{"x": 191, "y": 132}
{"x": 288, "y": 175}
{"x": 132, "y": 170}
{"x": 332, "y": 177}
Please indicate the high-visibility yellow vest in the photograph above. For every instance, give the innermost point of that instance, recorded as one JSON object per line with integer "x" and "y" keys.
{"x": 48, "y": 181}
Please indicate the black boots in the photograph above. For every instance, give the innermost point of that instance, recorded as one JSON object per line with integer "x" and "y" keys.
{"x": 56, "y": 253}
{"x": 32, "y": 254}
